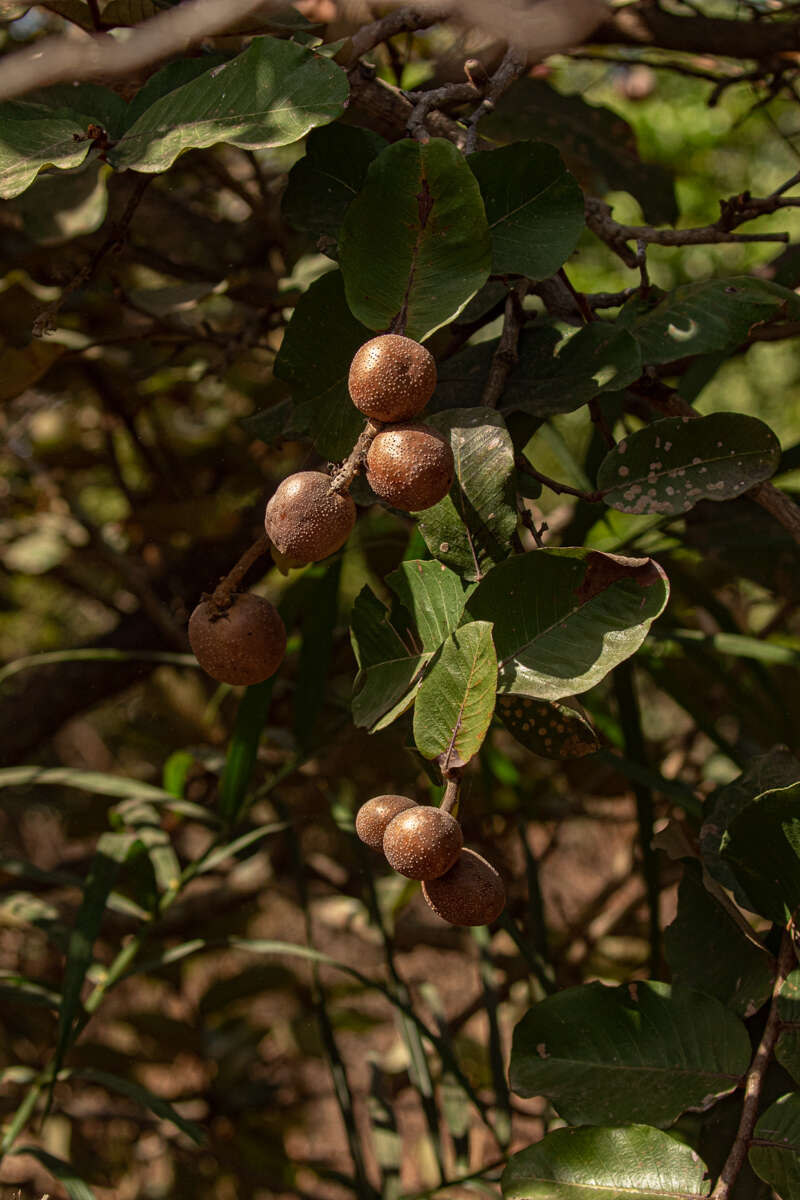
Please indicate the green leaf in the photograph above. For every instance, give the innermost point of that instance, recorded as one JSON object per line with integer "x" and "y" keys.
{"x": 389, "y": 672}
{"x": 669, "y": 466}
{"x": 251, "y": 718}
{"x": 455, "y": 701}
{"x": 89, "y": 781}
{"x": 642, "y": 1052}
{"x": 636, "y": 1163}
{"x": 49, "y": 128}
{"x": 414, "y": 244}
{"x": 64, "y": 1172}
{"x": 775, "y": 1146}
{"x": 168, "y": 79}
{"x": 787, "y": 1048}
{"x": 228, "y": 851}
{"x": 698, "y": 318}
{"x": 598, "y": 358}
{"x": 433, "y": 596}
{"x": 176, "y": 771}
{"x": 549, "y": 729}
{"x": 534, "y": 207}
{"x": 28, "y": 991}
{"x": 597, "y": 145}
{"x": 331, "y": 173}
{"x": 777, "y": 768}
{"x": 707, "y": 948}
{"x": 314, "y": 359}
{"x": 762, "y": 848}
{"x": 141, "y": 1096}
{"x": 60, "y": 206}
{"x": 564, "y": 617}
{"x": 471, "y": 529}
{"x": 270, "y": 95}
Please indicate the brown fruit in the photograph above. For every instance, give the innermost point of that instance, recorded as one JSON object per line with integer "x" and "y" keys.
{"x": 410, "y": 466}
{"x": 243, "y": 644}
{"x": 392, "y": 377}
{"x": 305, "y": 520}
{"x": 373, "y": 817}
{"x": 423, "y": 842}
{"x": 471, "y": 893}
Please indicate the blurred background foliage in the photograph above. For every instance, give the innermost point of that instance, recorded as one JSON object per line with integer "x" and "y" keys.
{"x": 129, "y": 482}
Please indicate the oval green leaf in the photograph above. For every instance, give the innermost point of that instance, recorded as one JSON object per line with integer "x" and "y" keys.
{"x": 330, "y": 174}
{"x": 775, "y": 1146}
{"x": 635, "y": 1163}
{"x": 455, "y": 701}
{"x": 787, "y": 1049}
{"x": 669, "y": 466}
{"x": 471, "y": 529}
{"x": 414, "y": 246}
{"x": 563, "y": 618}
{"x": 637, "y": 1053}
{"x": 270, "y": 95}
{"x": 762, "y": 848}
{"x": 432, "y": 595}
{"x": 549, "y": 729}
{"x": 534, "y": 207}
{"x": 389, "y": 671}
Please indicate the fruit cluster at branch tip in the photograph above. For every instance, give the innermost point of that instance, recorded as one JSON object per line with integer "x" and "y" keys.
{"x": 423, "y": 842}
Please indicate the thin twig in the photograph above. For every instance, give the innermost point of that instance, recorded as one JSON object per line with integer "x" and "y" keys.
{"x": 452, "y": 791}
{"x": 523, "y": 465}
{"x": 505, "y": 357}
{"x": 442, "y": 97}
{"x": 224, "y": 591}
{"x": 512, "y": 65}
{"x": 754, "y": 1080}
{"x": 402, "y": 20}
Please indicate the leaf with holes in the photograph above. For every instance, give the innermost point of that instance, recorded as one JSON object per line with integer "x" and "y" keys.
{"x": 699, "y": 318}
{"x": 775, "y": 1146}
{"x": 389, "y": 672}
{"x": 762, "y": 848}
{"x": 534, "y": 207}
{"x": 455, "y": 701}
{"x": 564, "y": 617}
{"x": 644, "y": 1052}
{"x": 669, "y": 466}
{"x": 471, "y": 529}
{"x": 414, "y": 245}
{"x": 602, "y": 1163}
{"x": 271, "y": 94}
{"x": 549, "y": 729}
{"x": 314, "y": 359}
{"x": 330, "y": 174}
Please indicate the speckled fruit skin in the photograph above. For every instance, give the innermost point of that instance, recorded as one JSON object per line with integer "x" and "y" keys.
{"x": 243, "y": 645}
{"x": 470, "y": 893}
{"x": 373, "y": 817}
{"x": 422, "y": 843}
{"x": 305, "y": 520}
{"x": 410, "y": 466}
{"x": 392, "y": 378}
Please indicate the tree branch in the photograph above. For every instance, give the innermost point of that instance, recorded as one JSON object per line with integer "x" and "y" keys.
{"x": 648, "y": 24}
{"x": 505, "y": 356}
{"x": 754, "y": 1081}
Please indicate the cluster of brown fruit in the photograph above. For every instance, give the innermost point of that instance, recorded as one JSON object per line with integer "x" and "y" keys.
{"x": 240, "y": 639}
{"x": 423, "y": 842}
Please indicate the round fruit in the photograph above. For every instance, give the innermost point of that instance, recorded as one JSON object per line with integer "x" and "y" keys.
{"x": 305, "y": 520}
{"x": 392, "y": 377}
{"x": 242, "y": 644}
{"x": 373, "y": 817}
{"x": 410, "y": 466}
{"x": 471, "y": 893}
{"x": 422, "y": 843}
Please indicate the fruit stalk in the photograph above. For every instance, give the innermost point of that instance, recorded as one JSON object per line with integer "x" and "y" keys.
{"x": 342, "y": 479}
{"x": 451, "y": 792}
{"x": 223, "y": 593}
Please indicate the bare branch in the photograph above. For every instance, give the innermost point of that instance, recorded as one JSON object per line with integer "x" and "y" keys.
{"x": 402, "y": 20}
{"x": 505, "y": 356}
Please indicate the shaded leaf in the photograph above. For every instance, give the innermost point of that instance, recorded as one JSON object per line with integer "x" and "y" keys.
{"x": 564, "y": 617}
{"x": 319, "y": 590}
{"x": 762, "y": 848}
{"x": 168, "y": 79}
{"x": 141, "y": 1096}
{"x": 669, "y": 466}
{"x": 698, "y": 318}
{"x": 90, "y": 781}
{"x": 432, "y": 595}
{"x": 22, "y": 366}
{"x": 414, "y": 243}
{"x": 332, "y": 171}
{"x": 314, "y": 359}
{"x": 598, "y": 358}
{"x": 549, "y": 729}
{"x": 775, "y": 1146}
{"x": 225, "y": 853}
{"x": 271, "y": 94}
{"x": 787, "y": 1049}
{"x": 28, "y": 991}
{"x": 643, "y": 1052}
{"x": 777, "y": 768}
{"x": 389, "y": 672}
{"x": 598, "y": 146}
{"x": 251, "y": 717}
{"x": 707, "y": 948}
{"x": 64, "y": 1172}
{"x": 57, "y": 207}
{"x": 455, "y": 701}
{"x": 471, "y": 528}
{"x": 635, "y": 1163}
{"x": 534, "y": 207}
